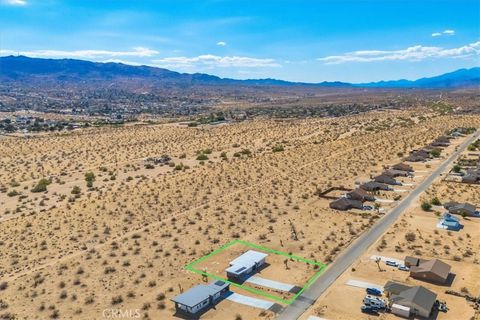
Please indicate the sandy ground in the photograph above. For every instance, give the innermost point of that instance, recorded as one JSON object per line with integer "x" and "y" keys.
{"x": 124, "y": 242}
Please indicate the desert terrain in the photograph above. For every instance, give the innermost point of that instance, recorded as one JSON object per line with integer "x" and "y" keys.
{"x": 105, "y": 230}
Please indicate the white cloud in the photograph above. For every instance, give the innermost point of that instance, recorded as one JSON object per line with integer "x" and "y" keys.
{"x": 211, "y": 61}
{"x": 15, "y": 2}
{"x": 221, "y": 43}
{"x": 415, "y": 53}
{"x": 448, "y": 32}
{"x": 83, "y": 54}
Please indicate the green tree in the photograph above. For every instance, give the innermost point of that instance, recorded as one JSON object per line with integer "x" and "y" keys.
{"x": 436, "y": 202}
{"x": 426, "y": 206}
{"x": 90, "y": 178}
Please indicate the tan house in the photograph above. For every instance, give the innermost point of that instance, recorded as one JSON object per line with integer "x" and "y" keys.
{"x": 418, "y": 300}
{"x": 428, "y": 270}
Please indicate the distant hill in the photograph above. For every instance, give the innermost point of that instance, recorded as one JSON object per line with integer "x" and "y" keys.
{"x": 455, "y": 79}
{"x": 57, "y": 71}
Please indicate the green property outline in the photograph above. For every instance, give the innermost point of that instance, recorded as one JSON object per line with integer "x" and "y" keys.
{"x": 322, "y": 266}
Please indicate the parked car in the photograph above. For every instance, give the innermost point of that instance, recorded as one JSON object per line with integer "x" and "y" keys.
{"x": 374, "y": 291}
{"x": 391, "y": 263}
{"x": 403, "y": 268}
{"x": 369, "y": 309}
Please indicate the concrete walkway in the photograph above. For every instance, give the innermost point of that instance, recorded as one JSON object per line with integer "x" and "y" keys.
{"x": 270, "y": 283}
{"x": 374, "y": 257}
{"x": 249, "y": 301}
{"x": 363, "y": 284}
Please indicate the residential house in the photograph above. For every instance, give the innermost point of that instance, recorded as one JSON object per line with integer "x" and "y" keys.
{"x": 403, "y": 167}
{"x": 346, "y": 204}
{"x": 419, "y": 299}
{"x": 449, "y": 222}
{"x": 360, "y": 195}
{"x": 200, "y": 297}
{"x": 375, "y": 186}
{"x": 472, "y": 176}
{"x": 418, "y": 156}
{"x": 392, "y": 173}
{"x": 429, "y": 270}
{"x": 245, "y": 265}
{"x": 386, "y": 179}
{"x": 466, "y": 209}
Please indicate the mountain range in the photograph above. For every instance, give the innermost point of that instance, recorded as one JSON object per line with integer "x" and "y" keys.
{"x": 21, "y": 69}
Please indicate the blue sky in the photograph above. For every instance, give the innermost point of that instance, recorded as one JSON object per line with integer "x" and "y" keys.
{"x": 309, "y": 41}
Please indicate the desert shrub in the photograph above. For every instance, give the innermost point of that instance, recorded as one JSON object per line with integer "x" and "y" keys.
{"x": 410, "y": 237}
{"x": 436, "y": 202}
{"x": 76, "y": 190}
{"x": 278, "y": 148}
{"x": 41, "y": 185}
{"x": 426, "y": 206}
{"x": 13, "y": 193}
{"x": 457, "y": 168}
{"x": 90, "y": 178}
{"x": 117, "y": 300}
{"x": 202, "y": 157}
{"x": 435, "y": 153}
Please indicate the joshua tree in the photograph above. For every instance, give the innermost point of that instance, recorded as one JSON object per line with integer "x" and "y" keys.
{"x": 377, "y": 261}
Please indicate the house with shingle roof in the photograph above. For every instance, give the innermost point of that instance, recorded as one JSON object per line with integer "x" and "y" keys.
{"x": 346, "y": 204}
{"x": 431, "y": 270}
{"x": 419, "y": 299}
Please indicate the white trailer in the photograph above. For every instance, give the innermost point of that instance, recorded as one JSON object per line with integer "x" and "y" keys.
{"x": 400, "y": 310}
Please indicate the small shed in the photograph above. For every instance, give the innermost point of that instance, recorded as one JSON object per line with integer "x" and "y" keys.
{"x": 245, "y": 265}
{"x": 400, "y": 310}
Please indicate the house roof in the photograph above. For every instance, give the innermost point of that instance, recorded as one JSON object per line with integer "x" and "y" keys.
{"x": 373, "y": 185}
{"x": 360, "y": 194}
{"x": 395, "y": 173}
{"x": 411, "y": 261}
{"x": 414, "y": 261}
{"x": 345, "y": 204}
{"x": 403, "y": 167}
{"x": 385, "y": 179}
{"x": 199, "y": 293}
{"x": 395, "y": 287}
{"x": 420, "y": 296}
{"x": 455, "y": 206}
{"x": 448, "y": 217}
{"x": 245, "y": 261}
{"x": 435, "y": 266}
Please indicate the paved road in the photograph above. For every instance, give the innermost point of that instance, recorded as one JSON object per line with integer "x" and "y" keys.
{"x": 359, "y": 246}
